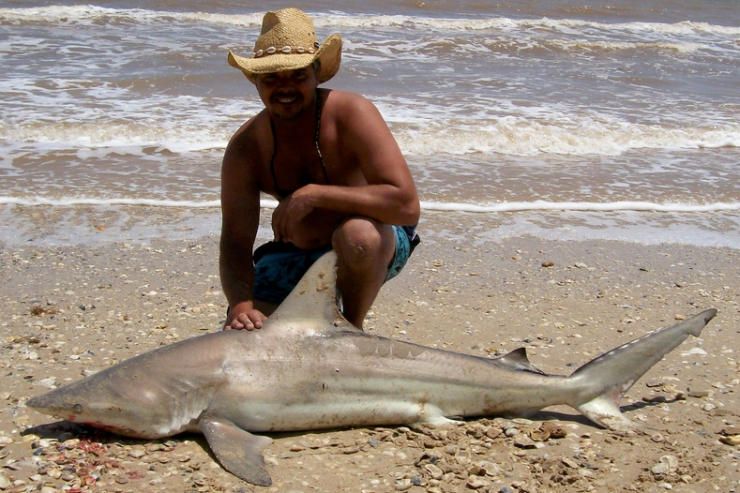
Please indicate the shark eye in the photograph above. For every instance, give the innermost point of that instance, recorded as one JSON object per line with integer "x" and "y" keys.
{"x": 77, "y": 408}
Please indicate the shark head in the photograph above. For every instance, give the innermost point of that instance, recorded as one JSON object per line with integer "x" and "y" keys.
{"x": 103, "y": 403}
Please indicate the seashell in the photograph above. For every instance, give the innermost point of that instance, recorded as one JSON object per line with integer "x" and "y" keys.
{"x": 730, "y": 440}
{"x": 539, "y": 435}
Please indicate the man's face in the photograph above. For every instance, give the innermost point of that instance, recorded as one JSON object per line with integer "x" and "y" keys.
{"x": 287, "y": 94}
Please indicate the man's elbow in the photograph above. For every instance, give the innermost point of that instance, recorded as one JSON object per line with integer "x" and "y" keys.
{"x": 410, "y": 211}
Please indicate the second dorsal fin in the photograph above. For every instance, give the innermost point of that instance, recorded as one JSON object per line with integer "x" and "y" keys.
{"x": 517, "y": 360}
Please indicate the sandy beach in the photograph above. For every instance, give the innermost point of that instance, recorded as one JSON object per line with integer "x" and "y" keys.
{"x": 586, "y": 155}
{"x": 70, "y": 311}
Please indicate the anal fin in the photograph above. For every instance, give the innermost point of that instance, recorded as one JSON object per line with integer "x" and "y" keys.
{"x": 238, "y": 451}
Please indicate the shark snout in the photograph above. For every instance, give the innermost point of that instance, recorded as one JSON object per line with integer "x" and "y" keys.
{"x": 55, "y": 403}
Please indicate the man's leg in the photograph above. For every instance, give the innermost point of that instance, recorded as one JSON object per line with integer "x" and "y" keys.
{"x": 364, "y": 249}
{"x": 278, "y": 268}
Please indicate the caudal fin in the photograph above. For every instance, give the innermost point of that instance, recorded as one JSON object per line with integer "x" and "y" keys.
{"x": 603, "y": 381}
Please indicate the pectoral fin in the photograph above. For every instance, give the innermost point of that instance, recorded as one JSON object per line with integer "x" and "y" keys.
{"x": 238, "y": 451}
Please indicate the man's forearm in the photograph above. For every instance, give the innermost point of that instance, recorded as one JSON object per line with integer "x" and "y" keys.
{"x": 384, "y": 203}
{"x": 237, "y": 276}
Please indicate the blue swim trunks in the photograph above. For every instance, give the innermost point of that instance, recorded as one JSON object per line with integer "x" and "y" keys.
{"x": 279, "y": 266}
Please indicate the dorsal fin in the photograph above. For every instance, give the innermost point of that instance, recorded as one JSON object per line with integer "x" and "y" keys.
{"x": 517, "y": 360}
{"x": 311, "y": 307}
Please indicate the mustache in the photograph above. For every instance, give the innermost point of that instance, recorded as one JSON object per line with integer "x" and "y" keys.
{"x": 285, "y": 94}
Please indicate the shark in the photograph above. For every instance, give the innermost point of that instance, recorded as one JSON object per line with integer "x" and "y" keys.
{"x": 308, "y": 368}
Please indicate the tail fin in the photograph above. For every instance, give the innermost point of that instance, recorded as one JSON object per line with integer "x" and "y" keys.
{"x": 605, "y": 379}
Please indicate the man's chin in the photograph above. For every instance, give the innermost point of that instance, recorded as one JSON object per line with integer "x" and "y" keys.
{"x": 287, "y": 113}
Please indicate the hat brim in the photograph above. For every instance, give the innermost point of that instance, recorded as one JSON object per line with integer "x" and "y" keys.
{"x": 329, "y": 54}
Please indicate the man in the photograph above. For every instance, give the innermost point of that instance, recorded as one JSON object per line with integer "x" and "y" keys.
{"x": 330, "y": 160}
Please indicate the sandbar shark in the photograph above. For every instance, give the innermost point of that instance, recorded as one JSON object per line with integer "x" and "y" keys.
{"x": 309, "y": 368}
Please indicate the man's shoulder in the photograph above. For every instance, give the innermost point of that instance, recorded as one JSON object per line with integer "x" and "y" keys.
{"x": 246, "y": 145}
{"x": 346, "y": 99}
{"x": 250, "y": 129}
{"x": 249, "y": 135}
{"x": 350, "y": 108}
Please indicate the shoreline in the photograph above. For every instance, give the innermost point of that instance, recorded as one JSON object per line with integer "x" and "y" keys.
{"x": 71, "y": 310}
{"x": 98, "y": 225}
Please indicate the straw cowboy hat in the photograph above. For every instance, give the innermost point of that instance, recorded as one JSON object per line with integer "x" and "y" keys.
{"x": 288, "y": 42}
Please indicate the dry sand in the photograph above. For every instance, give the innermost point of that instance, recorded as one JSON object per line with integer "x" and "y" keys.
{"x": 69, "y": 311}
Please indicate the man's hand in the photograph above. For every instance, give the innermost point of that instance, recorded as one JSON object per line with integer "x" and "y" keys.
{"x": 244, "y": 316}
{"x": 290, "y": 212}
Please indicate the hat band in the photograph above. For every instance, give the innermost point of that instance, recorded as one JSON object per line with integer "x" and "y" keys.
{"x": 286, "y": 50}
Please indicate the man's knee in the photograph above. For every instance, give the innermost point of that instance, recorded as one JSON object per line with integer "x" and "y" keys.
{"x": 362, "y": 241}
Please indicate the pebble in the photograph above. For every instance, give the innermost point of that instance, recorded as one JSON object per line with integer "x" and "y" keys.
{"x": 698, "y": 394}
{"x": 694, "y": 351}
{"x": 434, "y": 471}
{"x": 657, "y": 438}
{"x": 137, "y": 451}
{"x": 660, "y": 469}
{"x": 4, "y": 482}
{"x": 525, "y": 442}
{"x": 490, "y": 468}
{"x": 667, "y": 465}
{"x": 511, "y": 431}
{"x": 476, "y": 483}
{"x": 403, "y": 484}
{"x": 493, "y": 432}
{"x": 553, "y": 429}
{"x": 570, "y": 462}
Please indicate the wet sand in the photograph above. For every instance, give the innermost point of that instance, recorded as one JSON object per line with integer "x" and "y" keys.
{"x": 69, "y": 311}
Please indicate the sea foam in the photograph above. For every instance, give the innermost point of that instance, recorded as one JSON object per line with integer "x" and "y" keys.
{"x": 267, "y": 203}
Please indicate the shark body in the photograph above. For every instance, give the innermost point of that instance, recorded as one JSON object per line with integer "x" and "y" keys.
{"x": 309, "y": 368}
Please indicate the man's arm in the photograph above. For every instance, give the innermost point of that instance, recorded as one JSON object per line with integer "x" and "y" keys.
{"x": 240, "y": 218}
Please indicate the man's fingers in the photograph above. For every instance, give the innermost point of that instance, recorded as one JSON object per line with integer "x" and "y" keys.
{"x": 249, "y": 320}
{"x": 245, "y": 322}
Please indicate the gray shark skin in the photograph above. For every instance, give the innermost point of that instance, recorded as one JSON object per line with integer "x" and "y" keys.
{"x": 309, "y": 368}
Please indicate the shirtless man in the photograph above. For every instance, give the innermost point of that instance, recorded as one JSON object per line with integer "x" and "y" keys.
{"x": 330, "y": 160}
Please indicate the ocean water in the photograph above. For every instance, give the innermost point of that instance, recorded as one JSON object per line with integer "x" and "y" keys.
{"x": 618, "y": 119}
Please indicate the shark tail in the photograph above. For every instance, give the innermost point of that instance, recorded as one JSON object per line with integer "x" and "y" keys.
{"x": 602, "y": 382}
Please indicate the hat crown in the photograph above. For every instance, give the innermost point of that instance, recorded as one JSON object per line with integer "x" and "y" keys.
{"x": 286, "y": 27}
{"x": 288, "y": 41}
